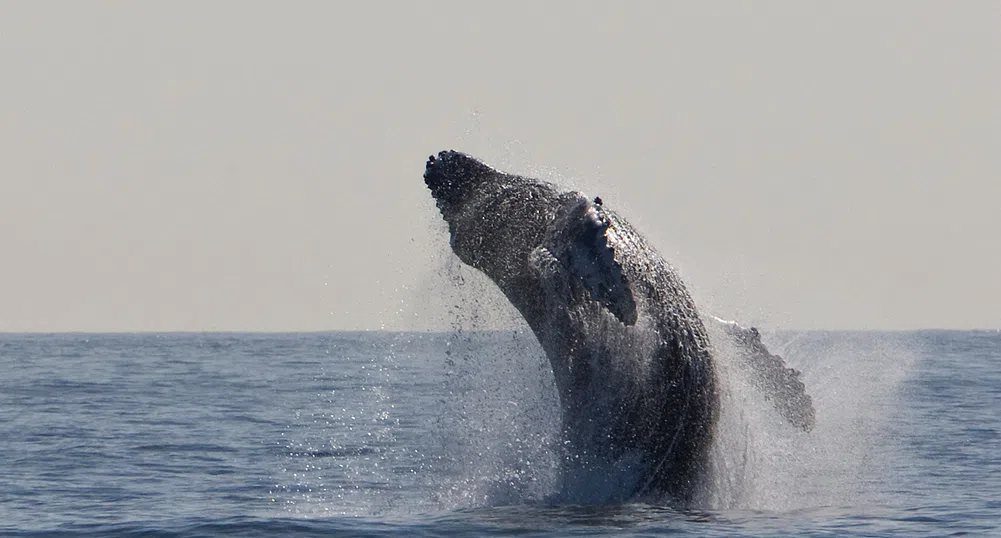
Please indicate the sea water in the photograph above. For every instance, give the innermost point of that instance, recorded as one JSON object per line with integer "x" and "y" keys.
{"x": 457, "y": 433}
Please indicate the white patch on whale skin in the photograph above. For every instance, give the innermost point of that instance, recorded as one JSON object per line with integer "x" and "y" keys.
{"x": 590, "y": 268}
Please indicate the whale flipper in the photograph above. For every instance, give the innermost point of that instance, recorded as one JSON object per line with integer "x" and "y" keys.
{"x": 585, "y": 255}
{"x": 778, "y": 383}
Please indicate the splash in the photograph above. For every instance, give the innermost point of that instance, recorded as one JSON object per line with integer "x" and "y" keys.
{"x": 762, "y": 463}
{"x": 759, "y": 460}
{"x": 500, "y": 425}
{"x": 470, "y": 418}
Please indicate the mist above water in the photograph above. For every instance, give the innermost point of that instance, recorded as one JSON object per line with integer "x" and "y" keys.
{"x": 503, "y": 414}
{"x": 486, "y": 429}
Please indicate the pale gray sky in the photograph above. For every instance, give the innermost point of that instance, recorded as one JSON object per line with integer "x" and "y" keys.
{"x": 257, "y": 166}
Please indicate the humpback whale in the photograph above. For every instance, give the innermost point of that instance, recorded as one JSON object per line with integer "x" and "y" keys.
{"x": 630, "y": 353}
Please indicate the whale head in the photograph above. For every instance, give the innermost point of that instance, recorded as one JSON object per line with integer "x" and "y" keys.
{"x": 494, "y": 219}
{"x": 452, "y": 178}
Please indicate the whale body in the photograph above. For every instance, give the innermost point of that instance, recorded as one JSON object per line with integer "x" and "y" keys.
{"x": 630, "y": 353}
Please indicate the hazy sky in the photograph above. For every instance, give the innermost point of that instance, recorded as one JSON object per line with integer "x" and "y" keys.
{"x": 257, "y": 166}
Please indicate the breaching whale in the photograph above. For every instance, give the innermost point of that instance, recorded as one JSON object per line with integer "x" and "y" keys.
{"x": 630, "y": 353}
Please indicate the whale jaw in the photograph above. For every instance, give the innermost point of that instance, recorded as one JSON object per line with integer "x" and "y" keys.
{"x": 451, "y": 176}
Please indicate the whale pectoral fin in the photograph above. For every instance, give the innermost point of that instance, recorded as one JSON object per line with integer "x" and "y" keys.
{"x": 602, "y": 277}
{"x": 588, "y": 257}
{"x": 779, "y": 384}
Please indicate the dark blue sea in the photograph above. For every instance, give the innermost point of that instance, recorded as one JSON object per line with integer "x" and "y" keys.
{"x": 457, "y": 434}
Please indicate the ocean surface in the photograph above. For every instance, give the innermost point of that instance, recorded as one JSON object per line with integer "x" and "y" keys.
{"x": 457, "y": 434}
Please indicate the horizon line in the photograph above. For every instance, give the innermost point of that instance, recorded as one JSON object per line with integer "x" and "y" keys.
{"x": 436, "y": 331}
